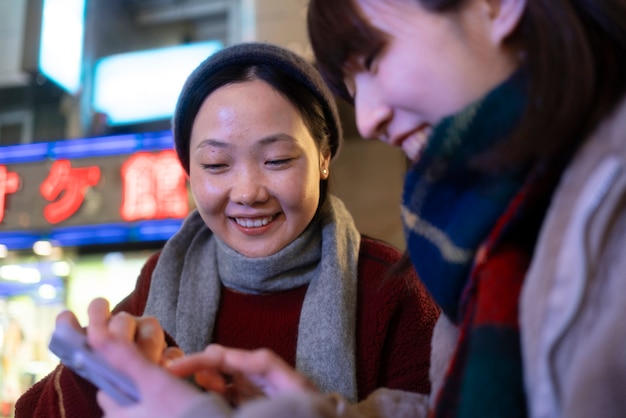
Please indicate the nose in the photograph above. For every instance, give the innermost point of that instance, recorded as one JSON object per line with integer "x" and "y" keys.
{"x": 372, "y": 114}
{"x": 249, "y": 187}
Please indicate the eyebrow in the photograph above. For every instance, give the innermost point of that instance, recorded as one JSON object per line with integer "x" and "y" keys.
{"x": 271, "y": 139}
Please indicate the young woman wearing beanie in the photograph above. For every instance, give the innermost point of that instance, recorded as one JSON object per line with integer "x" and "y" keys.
{"x": 514, "y": 114}
{"x": 269, "y": 259}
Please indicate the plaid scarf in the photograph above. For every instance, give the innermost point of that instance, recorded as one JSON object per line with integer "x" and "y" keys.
{"x": 448, "y": 209}
{"x": 471, "y": 236}
{"x": 485, "y": 378}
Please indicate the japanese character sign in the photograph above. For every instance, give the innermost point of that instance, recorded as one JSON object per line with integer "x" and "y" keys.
{"x": 154, "y": 187}
{"x": 9, "y": 183}
{"x": 65, "y": 187}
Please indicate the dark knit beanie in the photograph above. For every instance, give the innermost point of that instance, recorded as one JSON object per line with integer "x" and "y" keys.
{"x": 195, "y": 91}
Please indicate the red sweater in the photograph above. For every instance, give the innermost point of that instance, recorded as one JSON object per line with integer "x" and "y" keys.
{"x": 395, "y": 319}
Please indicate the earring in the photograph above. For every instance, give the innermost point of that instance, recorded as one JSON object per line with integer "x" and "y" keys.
{"x": 324, "y": 171}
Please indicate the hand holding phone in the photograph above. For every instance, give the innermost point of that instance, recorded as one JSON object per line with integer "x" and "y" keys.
{"x": 73, "y": 350}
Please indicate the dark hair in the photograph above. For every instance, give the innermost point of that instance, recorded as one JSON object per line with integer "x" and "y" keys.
{"x": 575, "y": 55}
{"x": 298, "y": 94}
{"x": 288, "y": 73}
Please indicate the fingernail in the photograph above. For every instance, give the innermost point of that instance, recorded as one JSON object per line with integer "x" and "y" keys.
{"x": 146, "y": 331}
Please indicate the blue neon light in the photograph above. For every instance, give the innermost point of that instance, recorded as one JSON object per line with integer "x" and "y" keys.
{"x": 112, "y": 233}
{"x": 19, "y": 240}
{"x": 15, "y": 154}
{"x": 86, "y": 147}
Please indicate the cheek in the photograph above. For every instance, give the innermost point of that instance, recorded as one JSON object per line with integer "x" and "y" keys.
{"x": 427, "y": 91}
{"x": 300, "y": 196}
{"x": 205, "y": 193}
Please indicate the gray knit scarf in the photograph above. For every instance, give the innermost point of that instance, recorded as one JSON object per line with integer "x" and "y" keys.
{"x": 185, "y": 290}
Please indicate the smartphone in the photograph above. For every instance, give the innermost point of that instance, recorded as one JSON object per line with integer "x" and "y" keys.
{"x": 73, "y": 350}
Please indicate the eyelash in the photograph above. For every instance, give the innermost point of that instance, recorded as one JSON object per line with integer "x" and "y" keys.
{"x": 271, "y": 163}
{"x": 213, "y": 167}
{"x": 283, "y": 161}
{"x": 370, "y": 60}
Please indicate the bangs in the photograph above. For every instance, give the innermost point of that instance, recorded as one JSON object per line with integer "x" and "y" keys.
{"x": 338, "y": 34}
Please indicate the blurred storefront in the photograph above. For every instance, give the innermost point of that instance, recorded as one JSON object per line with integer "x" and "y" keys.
{"x": 79, "y": 216}
{"x": 77, "y": 221}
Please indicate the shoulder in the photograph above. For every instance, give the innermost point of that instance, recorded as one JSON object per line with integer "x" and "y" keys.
{"x": 378, "y": 251}
{"x": 385, "y": 272}
{"x": 145, "y": 275}
{"x": 382, "y": 268}
{"x": 150, "y": 263}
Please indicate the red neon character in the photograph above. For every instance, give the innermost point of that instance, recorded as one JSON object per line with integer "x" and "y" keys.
{"x": 9, "y": 183}
{"x": 154, "y": 187}
{"x": 67, "y": 186}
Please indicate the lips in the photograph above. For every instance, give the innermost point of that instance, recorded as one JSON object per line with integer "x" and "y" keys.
{"x": 414, "y": 144}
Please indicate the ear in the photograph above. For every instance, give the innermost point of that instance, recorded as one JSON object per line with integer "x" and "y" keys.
{"x": 505, "y": 15}
{"x": 324, "y": 166}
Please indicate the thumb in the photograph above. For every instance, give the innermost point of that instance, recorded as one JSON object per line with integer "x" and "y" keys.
{"x": 125, "y": 357}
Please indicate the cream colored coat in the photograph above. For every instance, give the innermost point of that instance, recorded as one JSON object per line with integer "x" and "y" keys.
{"x": 573, "y": 307}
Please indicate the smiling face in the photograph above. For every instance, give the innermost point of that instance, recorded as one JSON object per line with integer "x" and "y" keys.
{"x": 432, "y": 65}
{"x": 255, "y": 169}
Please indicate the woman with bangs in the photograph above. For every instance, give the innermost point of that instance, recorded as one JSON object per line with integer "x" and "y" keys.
{"x": 512, "y": 113}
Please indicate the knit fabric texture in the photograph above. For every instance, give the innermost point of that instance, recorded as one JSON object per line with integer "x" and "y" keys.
{"x": 448, "y": 209}
{"x": 196, "y": 88}
{"x": 448, "y": 212}
{"x": 485, "y": 377}
{"x": 185, "y": 290}
{"x": 471, "y": 236}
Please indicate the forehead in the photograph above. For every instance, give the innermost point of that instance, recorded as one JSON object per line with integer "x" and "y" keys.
{"x": 250, "y": 111}
{"x": 245, "y": 103}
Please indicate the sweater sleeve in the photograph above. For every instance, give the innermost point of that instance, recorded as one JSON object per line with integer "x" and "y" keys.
{"x": 63, "y": 393}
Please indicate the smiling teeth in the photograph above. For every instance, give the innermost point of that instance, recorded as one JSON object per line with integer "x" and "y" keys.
{"x": 414, "y": 145}
{"x": 253, "y": 223}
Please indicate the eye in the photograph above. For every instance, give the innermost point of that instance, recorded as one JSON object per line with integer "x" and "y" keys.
{"x": 215, "y": 168}
{"x": 369, "y": 61}
{"x": 279, "y": 162}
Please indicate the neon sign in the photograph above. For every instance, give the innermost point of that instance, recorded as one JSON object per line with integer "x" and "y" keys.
{"x": 9, "y": 182}
{"x": 92, "y": 191}
{"x": 65, "y": 187}
{"x": 154, "y": 187}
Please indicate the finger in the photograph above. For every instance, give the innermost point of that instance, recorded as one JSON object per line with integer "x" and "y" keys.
{"x": 160, "y": 393}
{"x": 261, "y": 368}
{"x": 205, "y": 366}
{"x": 107, "y": 404}
{"x": 170, "y": 354}
{"x": 150, "y": 338}
{"x": 124, "y": 356}
{"x": 209, "y": 359}
{"x": 265, "y": 369}
{"x": 99, "y": 314}
{"x": 211, "y": 381}
{"x": 124, "y": 326}
{"x": 70, "y": 319}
